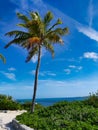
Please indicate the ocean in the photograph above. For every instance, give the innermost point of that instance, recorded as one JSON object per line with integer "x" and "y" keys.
{"x": 51, "y": 101}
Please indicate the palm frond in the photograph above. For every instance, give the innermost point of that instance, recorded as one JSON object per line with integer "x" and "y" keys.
{"x": 31, "y": 53}
{"x": 60, "y": 31}
{"x": 35, "y": 16}
{"x": 38, "y": 16}
{"x": 49, "y": 47}
{"x": 48, "y": 17}
{"x": 54, "y": 38}
{"x": 24, "y": 18}
{"x": 17, "y": 33}
{"x": 18, "y": 41}
{"x": 36, "y": 26}
{"x": 57, "y": 23}
{"x": 20, "y": 37}
{"x": 55, "y": 35}
{"x": 22, "y": 25}
{"x": 2, "y": 58}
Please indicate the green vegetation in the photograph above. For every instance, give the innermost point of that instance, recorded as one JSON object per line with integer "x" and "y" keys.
{"x": 27, "y": 106}
{"x": 77, "y": 115}
{"x": 7, "y": 103}
{"x": 92, "y": 100}
{"x": 40, "y": 33}
{"x": 62, "y": 116}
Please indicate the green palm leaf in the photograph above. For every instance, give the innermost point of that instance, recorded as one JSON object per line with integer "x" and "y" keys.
{"x": 49, "y": 47}
{"x": 47, "y": 19}
{"x": 22, "y": 25}
{"x": 35, "y": 16}
{"x": 18, "y": 41}
{"x": 24, "y": 18}
{"x": 54, "y": 25}
{"x": 60, "y": 31}
{"x": 17, "y": 33}
{"x": 2, "y": 58}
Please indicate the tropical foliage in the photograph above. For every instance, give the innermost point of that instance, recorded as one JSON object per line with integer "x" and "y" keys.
{"x": 77, "y": 115}
{"x": 39, "y": 33}
{"x": 62, "y": 116}
{"x": 7, "y": 103}
{"x": 2, "y": 58}
{"x": 92, "y": 100}
{"x": 27, "y": 106}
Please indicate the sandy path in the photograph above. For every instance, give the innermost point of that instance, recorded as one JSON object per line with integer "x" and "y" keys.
{"x": 6, "y": 119}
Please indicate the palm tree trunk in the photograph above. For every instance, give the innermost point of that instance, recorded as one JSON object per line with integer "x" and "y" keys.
{"x": 36, "y": 80}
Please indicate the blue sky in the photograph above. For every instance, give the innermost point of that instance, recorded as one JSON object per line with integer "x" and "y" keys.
{"x": 74, "y": 69}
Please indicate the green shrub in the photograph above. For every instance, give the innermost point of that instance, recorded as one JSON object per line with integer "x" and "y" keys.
{"x": 7, "y": 103}
{"x": 62, "y": 116}
{"x": 27, "y": 106}
{"x": 92, "y": 100}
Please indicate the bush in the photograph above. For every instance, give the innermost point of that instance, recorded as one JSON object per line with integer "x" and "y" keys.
{"x": 27, "y": 106}
{"x": 92, "y": 100}
{"x": 62, "y": 116}
{"x": 7, "y": 103}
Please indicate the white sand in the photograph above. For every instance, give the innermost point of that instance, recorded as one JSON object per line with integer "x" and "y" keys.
{"x": 6, "y": 118}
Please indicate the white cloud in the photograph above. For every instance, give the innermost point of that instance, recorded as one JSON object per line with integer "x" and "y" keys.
{"x": 32, "y": 72}
{"x": 91, "y": 55}
{"x": 70, "y": 88}
{"x": 68, "y": 71}
{"x": 80, "y": 68}
{"x": 34, "y": 58}
{"x": 89, "y": 32}
{"x": 72, "y": 66}
{"x": 73, "y": 24}
{"x": 11, "y": 69}
{"x": 43, "y": 73}
{"x": 23, "y": 4}
{"x": 17, "y": 90}
{"x": 46, "y": 88}
{"x": 51, "y": 74}
{"x": 90, "y": 12}
{"x": 11, "y": 76}
{"x": 38, "y": 2}
{"x": 77, "y": 68}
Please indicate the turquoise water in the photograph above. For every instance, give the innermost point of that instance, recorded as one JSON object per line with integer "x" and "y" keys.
{"x": 51, "y": 101}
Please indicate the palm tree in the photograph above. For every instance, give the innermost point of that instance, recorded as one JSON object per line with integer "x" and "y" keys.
{"x": 2, "y": 58}
{"x": 38, "y": 34}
